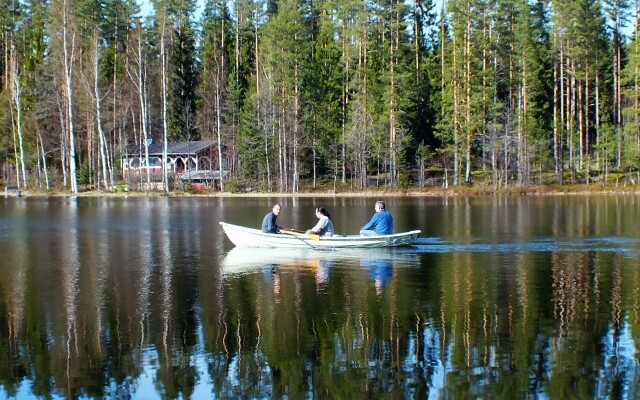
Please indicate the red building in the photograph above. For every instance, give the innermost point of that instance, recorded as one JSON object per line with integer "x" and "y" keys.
{"x": 183, "y": 158}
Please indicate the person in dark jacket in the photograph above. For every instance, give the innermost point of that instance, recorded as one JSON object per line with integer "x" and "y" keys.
{"x": 269, "y": 222}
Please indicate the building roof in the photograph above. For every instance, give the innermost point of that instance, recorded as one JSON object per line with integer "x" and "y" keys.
{"x": 203, "y": 175}
{"x": 173, "y": 148}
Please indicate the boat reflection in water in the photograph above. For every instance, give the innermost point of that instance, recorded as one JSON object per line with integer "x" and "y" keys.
{"x": 378, "y": 263}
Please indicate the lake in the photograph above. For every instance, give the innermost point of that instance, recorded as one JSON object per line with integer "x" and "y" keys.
{"x": 144, "y": 297}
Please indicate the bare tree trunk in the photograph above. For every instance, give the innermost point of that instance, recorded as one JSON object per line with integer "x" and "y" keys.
{"x": 587, "y": 144}
{"x": 581, "y": 123}
{"x": 89, "y": 144}
{"x": 63, "y": 140}
{"x": 569, "y": 118}
{"x": 506, "y": 150}
{"x": 165, "y": 125}
{"x": 563, "y": 116}
{"x": 15, "y": 151}
{"x": 96, "y": 96}
{"x": 69, "y": 51}
{"x": 556, "y": 153}
{"x": 16, "y": 95}
{"x": 282, "y": 142}
{"x": 467, "y": 173}
{"x": 520, "y": 148}
{"x": 138, "y": 77}
{"x": 597, "y": 115}
{"x": 219, "y": 78}
{"x": 110, "y": 149}
{"x": 218, "y": 131}
{"x": 393, "y": 129}
{"x": 618, "y": 98}
{"x": 456, "y": 111}
{"x": 44, "y": 162}
{"x": 442, "y": 74}
{"x": 343, "y": 122}
{"x": 296, "y": 129}
{"x": 487, "y": 36}
{"x": 523, "y": 145}
{"x": 363, "y": 60}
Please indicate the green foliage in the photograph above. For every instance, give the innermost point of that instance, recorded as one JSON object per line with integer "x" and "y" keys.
{"x": 115, "y": 27}
{"x": 5, "y": 120}
{"x": 322, "y": 86}
{"x": 84, "y": 173}
{"x": 251, "y": 143}
{"x": 184, "y": 77}
{"x": 231, "y": 186}
{"x": 121, "y": 188}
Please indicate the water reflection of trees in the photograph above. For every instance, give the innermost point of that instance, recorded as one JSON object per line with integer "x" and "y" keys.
{"x": 455, "y": 325}
{"x": 468, "y": 332}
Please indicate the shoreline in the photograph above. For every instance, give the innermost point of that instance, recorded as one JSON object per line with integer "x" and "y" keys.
{"x": 471, "y": 191}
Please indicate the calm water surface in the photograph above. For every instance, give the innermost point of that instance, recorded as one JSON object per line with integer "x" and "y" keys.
{"x": 145, "y": 298}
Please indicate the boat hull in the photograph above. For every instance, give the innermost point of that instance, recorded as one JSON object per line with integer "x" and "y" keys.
{"x": 247, "y": 237}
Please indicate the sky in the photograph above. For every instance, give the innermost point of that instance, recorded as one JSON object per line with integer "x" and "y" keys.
{"x": 147, "y": 9}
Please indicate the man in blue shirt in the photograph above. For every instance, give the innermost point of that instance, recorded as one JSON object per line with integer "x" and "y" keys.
{"x": 269, "y": 221}
{"x": 380, "y": 224}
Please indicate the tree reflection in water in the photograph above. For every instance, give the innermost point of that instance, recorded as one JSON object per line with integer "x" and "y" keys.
{"x": 169, "y": 317}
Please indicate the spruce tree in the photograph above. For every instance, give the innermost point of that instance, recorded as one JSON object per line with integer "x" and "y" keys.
{"x": 183, "y": 99}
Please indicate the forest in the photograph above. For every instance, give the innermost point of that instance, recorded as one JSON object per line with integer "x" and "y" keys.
{"x": 298, "y": 94}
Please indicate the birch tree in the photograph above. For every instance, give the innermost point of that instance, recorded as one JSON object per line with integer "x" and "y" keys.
{"x": 137, "y": 72}
{"x": 65, "y": 46}
{"x": 16, "y": 97}
{"x": 97, "y": 100}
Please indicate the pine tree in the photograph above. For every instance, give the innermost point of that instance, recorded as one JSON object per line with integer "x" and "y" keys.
{"x": 617, "y": 11}
{"x": 532, "y": 91}
{"x": 184, "y": 75}
{"x": 117, "y": 23}
{"x": 445, "y": 130}
{"x": 466, "y": 118}
{"x": 422, "y": 110}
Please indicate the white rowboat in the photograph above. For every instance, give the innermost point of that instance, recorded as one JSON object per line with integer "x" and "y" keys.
{"x": 248, "y": 237}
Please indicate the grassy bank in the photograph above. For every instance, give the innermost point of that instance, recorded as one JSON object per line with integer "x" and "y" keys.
{"x": 371, "y": 191}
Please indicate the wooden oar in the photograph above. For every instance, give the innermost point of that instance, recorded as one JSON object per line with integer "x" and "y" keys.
{"x": 293, "y": 232}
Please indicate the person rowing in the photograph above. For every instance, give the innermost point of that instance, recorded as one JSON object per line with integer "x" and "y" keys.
{"x": 324, "y": 227}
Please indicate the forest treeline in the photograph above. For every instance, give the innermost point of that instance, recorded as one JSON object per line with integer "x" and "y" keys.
{"x": 299, "y": 92}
